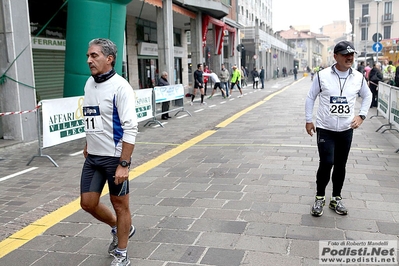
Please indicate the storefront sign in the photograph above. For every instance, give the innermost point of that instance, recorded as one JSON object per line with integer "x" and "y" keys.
{"x": 151, "y": 49}
{"x": 48, "y": 44}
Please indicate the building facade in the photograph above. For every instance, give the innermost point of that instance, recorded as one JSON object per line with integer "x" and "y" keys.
{"x": 307, "y": 45}
{"x": 260, "y": 46}
{"x": 160, "y": 35}
{"x": 374, "y": 21}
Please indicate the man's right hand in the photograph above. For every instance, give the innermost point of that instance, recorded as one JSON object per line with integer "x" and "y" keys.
{"x": 310, "y": 128}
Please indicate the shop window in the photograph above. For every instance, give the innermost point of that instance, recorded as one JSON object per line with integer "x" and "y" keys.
{"x": 40, "y": 13}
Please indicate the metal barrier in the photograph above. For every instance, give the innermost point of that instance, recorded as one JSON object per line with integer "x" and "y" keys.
{"x": 388, "y": 106}
{"x": 61, "y": 120}
{"x": 164, "y": 94}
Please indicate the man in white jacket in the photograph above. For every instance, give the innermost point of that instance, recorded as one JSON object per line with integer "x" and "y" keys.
{"x": 111, "y": 127}
{"x": 337, "y": 88}
{"x": 217, "y": 83}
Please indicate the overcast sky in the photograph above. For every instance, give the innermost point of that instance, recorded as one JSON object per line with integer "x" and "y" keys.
{"x": 315, "y": 13}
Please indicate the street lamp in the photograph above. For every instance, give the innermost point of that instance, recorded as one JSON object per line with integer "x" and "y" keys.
{"x": 378, "y": 36}
{"x": 367, "y": 17}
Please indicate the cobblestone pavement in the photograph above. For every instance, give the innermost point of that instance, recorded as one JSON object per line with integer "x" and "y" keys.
{"x": 230, "y": 185}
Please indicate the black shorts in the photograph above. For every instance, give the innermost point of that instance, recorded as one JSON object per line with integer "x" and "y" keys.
{"x": 217, "y": 85}
{"x": 100, "y": 169}
{"x": 197, "y": 86}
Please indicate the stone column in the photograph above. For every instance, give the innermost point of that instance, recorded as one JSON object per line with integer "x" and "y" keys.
{"x": 17, "y": 91}
{"x": 165, "y": 40}
{"x": 196, "y": 41}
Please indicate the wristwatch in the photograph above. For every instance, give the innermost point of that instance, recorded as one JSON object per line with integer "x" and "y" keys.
{"x": 362, "y": 117}
{"x": 124, "y": 163}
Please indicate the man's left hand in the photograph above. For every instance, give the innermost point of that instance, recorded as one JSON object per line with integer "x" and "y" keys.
{"x": 356, "y": 122}
{"x": 121, "y": 175}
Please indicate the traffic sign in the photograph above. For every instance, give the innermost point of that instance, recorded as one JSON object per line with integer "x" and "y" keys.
{"x": 377, "y": 47}
{"x": 375, "y": 39}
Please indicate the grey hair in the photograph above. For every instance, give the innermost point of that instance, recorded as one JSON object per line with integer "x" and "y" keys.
{"x": 164, "y": 73}
{"x": 107, "y": 47}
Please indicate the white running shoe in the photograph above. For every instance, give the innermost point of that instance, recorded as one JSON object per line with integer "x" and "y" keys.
{"x": 203, "y": 103}
{"x": 114, "y": 244}
{"x": 191, "y": 103}
{"x": 239, "y": 96}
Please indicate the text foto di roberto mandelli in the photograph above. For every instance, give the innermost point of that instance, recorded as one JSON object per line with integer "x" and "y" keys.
{"x": 363, "y": 251}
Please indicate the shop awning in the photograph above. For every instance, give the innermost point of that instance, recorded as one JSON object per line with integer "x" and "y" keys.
{"x": 220, "y": 28}
{"x": 175, "y": 8}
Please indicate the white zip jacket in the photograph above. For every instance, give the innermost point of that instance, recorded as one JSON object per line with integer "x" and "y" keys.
{"x": 109, "y": 116}
{"x": 328, "y": 84}
{"x": 213, "y": 76}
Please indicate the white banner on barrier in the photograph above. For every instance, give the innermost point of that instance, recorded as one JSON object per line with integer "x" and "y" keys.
{"x": 394, "y": 119}
{"x": 169, "y": 93}
{"x": 383, "y": 99}
{"x": 62, "y": 120}
{"x": 144, "y": 108}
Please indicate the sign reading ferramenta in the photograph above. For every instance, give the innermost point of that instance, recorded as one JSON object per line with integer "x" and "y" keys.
{"x": 48, "y": 43}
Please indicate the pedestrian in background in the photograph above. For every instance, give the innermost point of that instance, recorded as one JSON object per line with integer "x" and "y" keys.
{"x": 390, "y": 64}
{"x": 375, "y": 76}
{"x": 389, "y": 76}
{"x": 224, "y": 76}
{"x": 262, "y": 77}
{"x": 163, "y": 81}
{"x": 111, "y": 128}
{"x": 255, "y": 78}
{"x": 235, "y": 81}
{"x": 367, "y": 70}
{"x": 360, "y": 67}
{"x": 284, "y": 72}
{"x": 198, "y": 84}
{"x": 337, "y": 88}
{"x": 244, "y": 76}
{"x": 295, "y": 73}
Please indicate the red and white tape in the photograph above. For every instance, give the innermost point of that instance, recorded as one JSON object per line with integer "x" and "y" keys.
{"x": 20, "y": 112}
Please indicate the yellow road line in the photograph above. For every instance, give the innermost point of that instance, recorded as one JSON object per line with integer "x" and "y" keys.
{"x": 256, "y": 145}
{"x": 41, "y": 225}
{"x": 250, "y": 108}
{"x": 36, "y": 228}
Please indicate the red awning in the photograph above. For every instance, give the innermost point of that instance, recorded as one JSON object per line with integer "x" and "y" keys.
{"x": 175, "y": 8}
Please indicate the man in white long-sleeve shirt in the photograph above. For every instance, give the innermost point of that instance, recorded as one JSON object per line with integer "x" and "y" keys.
{"x": 217, "y": 83}
{"x": 111, "y": 127}
{"x": 337, "y": 88}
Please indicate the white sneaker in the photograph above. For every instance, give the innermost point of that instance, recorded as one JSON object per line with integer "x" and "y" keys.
{"x": 239, "y": 96}
{"x": 203, "y": 103}
{"x": 191, "y": 103}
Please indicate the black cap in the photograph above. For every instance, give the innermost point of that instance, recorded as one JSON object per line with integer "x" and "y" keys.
{"x": 344, "y": 47}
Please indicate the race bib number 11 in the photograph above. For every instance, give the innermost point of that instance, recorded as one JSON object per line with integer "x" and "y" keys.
{"x": 339, "y": 106}
{"x": 92, "y": 119}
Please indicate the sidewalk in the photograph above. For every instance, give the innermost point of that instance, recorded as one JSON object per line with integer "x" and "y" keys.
{"x": 231, "y": 185}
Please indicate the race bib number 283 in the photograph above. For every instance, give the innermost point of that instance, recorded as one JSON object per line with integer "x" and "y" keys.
{"x": 339, "y": 106}
{"x": 92, "y": 119}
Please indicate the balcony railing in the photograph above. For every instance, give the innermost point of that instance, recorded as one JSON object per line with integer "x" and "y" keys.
{"x": 363, "y": 21}
{"x": 387, "y": 18}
